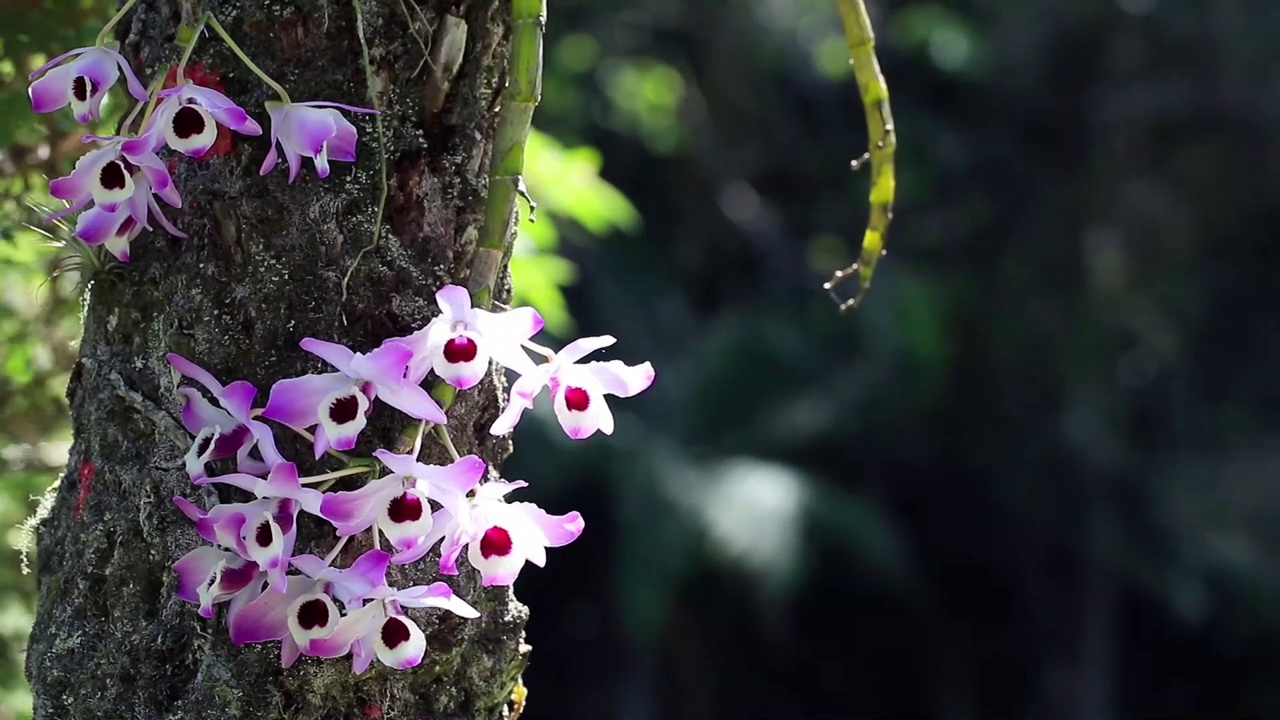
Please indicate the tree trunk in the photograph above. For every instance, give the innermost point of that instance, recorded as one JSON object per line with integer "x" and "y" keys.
{"x": 262, "y": 269}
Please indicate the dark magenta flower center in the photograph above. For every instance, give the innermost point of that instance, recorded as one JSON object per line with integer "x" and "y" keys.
{"x": 495, "y": 542}
{"x": 576, "y": 399}
{"x": 206, "y": 440}
{"x": 82, "y": 88}
{"x": 405, "y": 508}
{"x": 113, "y": 176}
{"x": 263, "y": 535}
{"x": 394, "y": 632}
{"x": 313, "y": 613}
{"x": 126, "y": 226}
{"x": 461, "y": 349}
{"x": 188, "y": 122}
{"x": 344, "y": 409}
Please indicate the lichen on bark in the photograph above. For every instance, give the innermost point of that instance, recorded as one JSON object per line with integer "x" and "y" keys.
{"x": 262, "y": 269}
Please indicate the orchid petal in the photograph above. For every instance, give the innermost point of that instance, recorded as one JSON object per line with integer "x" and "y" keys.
{"x": 296, "y": 401}
{"x": 339, "y": 356}
{"x": 399, "y": 642}
{"x": 355, "y": 511}
{"x": 437, "y": 595}
{"x": 266, "y": 617}
{"x": 618, "y": 378}
{"x": 385, "y": 365}
{"x": 580, "y": 348}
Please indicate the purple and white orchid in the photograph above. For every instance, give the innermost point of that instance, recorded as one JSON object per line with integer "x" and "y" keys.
{"x": 461, "y": 340}
{"x": 108, "y": 176}
{"x": 500, "y": 537}
{"x": 339, "y": 402}
{"x": 397, "y": 503}
{"x": 306, "y": 610}
{"x": 81, "y": 83}
{"x": 226, "y": 431}
{"x": 577, "y": 391}
{"x": 187, "y": 119}
{"x": 117, "y": 228}
{"x": 311, "y": 129}
{"x": 382, "y": 629}
{"x": 263, "y": 531}
{"x": 207, "y": 576}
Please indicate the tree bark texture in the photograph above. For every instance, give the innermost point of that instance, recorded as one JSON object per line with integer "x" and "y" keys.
{"x": 262, "y": 269}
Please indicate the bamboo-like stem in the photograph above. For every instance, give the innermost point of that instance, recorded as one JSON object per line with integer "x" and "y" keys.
{"x": 105, "y": 32}
{"x": 506, "y": 169}
{"x": 882, "y": 141}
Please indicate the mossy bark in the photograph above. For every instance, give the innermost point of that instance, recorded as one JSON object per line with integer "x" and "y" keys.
{"x": 263, "y": 269}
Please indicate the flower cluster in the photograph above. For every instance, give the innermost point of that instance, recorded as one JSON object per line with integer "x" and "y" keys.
{"x": 116, "y": 183}
{"x": 407, "y": 508}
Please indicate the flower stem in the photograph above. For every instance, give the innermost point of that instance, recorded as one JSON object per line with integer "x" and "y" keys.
{"x": 333, "y": 554}
{"x": 336, "y": 474}
{"x": 442, "y": 432}
{"x": 417, "y": 440}
{"x": 151, "y": 94}
{"x": 377, "y": 537}
{"x": 111, "y": 24}
{"x": 222, "y": 33}
{"x": 545, "y": 352}
{"x": 186, "y": 53}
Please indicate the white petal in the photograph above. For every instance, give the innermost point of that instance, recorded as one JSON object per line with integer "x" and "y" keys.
{"x": 581, "y": 409}
{"x": 406, "y": 518}
{"x": 399, "y": 642}
{"x": 496, "y": 555}
{"x": 190, "y": 130}
{"x": 312, "y": 616}
{"x": 461, "y": 360}
{"x": 111, "y": 185}
{"x": 343, "y": 415}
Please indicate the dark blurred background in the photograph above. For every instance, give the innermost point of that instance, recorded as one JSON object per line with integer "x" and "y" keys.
{"x": 1036, "y": 475}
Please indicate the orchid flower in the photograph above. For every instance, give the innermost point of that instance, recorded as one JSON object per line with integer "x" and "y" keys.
{"x": 281, "y": 483}
{"x": 81, "y": 83}
{"x": 339, "y": 402}
{"x": 108, "y": 176}
{"x": 226, "y": 431}
{"x": 382, "y": 626}
{"x": 306, "y": 610}
{"x": 311, "y": 129}
{"x": 116, "y": 229}
{"x": 187, "y": 120}
{"x": 500, "y": 536}
{"x": 461, "y": 340}
{"x": 397, "y": 503}
{"x": 263, "y": 531}
{"x": 208, "y": 575}
{"x": 577, "y": 391}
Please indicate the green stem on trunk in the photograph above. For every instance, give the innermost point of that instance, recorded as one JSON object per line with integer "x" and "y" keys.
{"x": 506, "y": 169}
{"x": 226, "y": 38}
{"x": 882, "y": 142}
{"x": 191, "y": 45}
{"x": 442, "y": 432}
{"x": 111, "y": 24}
